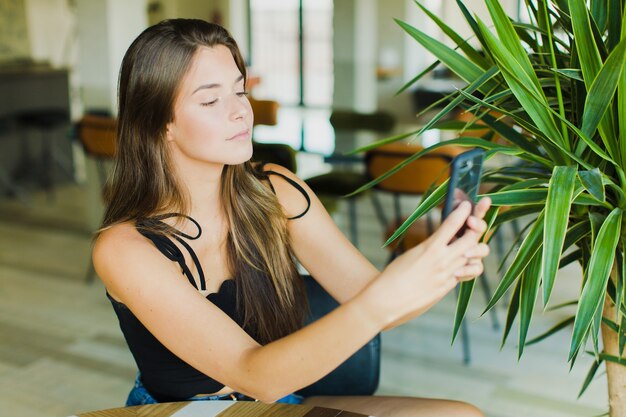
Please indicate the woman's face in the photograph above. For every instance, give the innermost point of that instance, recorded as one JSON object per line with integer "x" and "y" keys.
{"x": 212, "y": 115}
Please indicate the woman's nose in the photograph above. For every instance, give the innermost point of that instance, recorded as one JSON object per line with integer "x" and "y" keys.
{"x": 240, "y": 109}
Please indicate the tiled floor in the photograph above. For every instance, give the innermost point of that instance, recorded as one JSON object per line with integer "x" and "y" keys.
{"x": 61, "y": 351}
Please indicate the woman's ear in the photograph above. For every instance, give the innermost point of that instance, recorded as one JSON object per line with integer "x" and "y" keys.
{"x": 169, "y": 132}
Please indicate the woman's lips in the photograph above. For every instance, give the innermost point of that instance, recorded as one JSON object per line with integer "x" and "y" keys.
{"x": 241, "y": 135}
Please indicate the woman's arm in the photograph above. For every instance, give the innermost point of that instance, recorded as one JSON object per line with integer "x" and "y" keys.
{"x": 329, "y": 256}
{"x": 198, "y": 332}
{"x": 318, "y": 243}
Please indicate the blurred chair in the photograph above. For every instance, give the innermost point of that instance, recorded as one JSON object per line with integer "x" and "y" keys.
{"x": 379, "y": 121}
{"x": 415, "y": 179}
{"x": 265, "y": 111}
{"x": 7, "y": 185}
{"x": 47, "y": 122}
{"x": 332, "y": 186}
{"x": 359, "y": 374}
{"x": 275, "y": 153}
{"x": 98, "y": 136}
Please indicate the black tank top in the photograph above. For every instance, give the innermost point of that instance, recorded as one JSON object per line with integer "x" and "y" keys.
{"x": 164, "y": 375}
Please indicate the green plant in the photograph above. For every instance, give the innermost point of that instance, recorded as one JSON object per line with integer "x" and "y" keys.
{"x": 554, "y": 89}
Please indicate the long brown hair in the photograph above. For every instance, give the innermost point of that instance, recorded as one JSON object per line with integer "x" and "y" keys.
{"x": 270, "y": 292}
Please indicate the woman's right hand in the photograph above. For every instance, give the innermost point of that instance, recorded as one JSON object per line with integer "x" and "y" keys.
{"x": 423, "y": 275}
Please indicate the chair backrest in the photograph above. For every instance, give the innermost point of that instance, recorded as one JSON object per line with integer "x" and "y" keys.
{"x": 265, "y": 112}
{"x": 359, "y": 375}
{"x": 417, "y": 177}
{"x": 98, "y": 135}
{"x": 351, "y": 120}
{"x": 275, "y": 153}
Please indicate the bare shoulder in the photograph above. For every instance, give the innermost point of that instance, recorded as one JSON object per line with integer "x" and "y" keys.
{"x": 117, "y": 240}
{"x": 124, "y": 259}
{"x": 292, "y": 192}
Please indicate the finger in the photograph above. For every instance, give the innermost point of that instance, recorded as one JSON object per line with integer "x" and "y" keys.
{"x": 479, "y": 251}
{"x": 480, "y": 209}
{"x": 454, "y": 266}
{"x": 477, "y": 224}
{"x": 469, "y": 271}
{"x": 462, "y": 245}
{"x": 452, "y": 223}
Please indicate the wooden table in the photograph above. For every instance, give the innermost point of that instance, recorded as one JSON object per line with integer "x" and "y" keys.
{"x": 220, "y": 409}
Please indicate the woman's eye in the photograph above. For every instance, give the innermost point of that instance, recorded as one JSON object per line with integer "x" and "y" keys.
{"x": 242, "y": 94}
{"x": 209, "y": 103}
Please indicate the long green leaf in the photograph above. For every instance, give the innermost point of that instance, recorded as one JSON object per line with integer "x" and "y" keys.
{"x": 592, "y": 181}
{"x": 457, "y": 63}
{"x": 621, "y": 100}
{"x": 463, "y": 44}
{"x": 619, "y": 329}
{"x": 528, "y": 295}
{"x": 517, "y": 212}
{"x": 576, "y": 232}
{"x": 511, "y": 313}
{"x": 595, "y": 329}
{"x": 589, "y": 55}
{"x": 599, "y": 96}
{"x": 558, "y": 204}
{"x": 550, "y": 147}
{"x": 527, "y": 184}
{"x": 517, "y": 197}
{"x": 546, "y": 106}
{"x": 509, "y": 38}
{"x": 549, "y": 39}
{"x": 574, "y": 74}
{"x": 472, "y": 87}
{"x": 465, "y": 293}
{"x": 598, "y": 271}
{"x": 432, "y": 200}
{"x": 584, "y": 199}
{"x": 615, "y": 22}
{"x": 535, "y": 104}
{"x": 471, "y": 22}
{"x": 588, "y": 45}
{"x": 619, "y": 290}
{"x": 590, "y": 374}
{"x": 573, "y": 256}
{"x": 612, "y": 358}
{"x": 418, "y": 77}
{"x": 599, "y": 13}
{"x": 618, "y": 299}
{"x": 509, "y": 133}
{"x": 529, "y": 247}
{"x": 559, "y": 326}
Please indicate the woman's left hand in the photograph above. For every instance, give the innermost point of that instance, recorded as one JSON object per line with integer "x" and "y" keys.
{"x": 476, "y": 226}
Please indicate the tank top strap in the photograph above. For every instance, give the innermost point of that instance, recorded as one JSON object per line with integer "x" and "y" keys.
{"x": 294, "y": 184}
{"x": 167, "y": 247}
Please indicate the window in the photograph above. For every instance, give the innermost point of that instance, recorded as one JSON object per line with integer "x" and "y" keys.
{"x": 291, "y": 46}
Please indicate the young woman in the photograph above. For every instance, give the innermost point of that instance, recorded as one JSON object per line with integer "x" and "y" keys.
{"x": 198, "y": 244}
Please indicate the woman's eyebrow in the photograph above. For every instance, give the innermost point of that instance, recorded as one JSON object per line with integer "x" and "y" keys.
{"x": 215, "y": 85}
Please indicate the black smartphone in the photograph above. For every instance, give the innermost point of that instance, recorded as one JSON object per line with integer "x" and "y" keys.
{"x": 465, "y": 172}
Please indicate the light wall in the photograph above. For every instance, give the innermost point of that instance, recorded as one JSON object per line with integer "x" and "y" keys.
{"x": 366, "y": 39}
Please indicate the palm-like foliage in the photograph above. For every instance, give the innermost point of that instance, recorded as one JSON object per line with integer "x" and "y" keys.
{"x": 555, "y": 90}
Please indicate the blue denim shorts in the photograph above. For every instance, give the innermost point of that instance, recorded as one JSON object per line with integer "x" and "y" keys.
{"x": 139, "y": 395}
